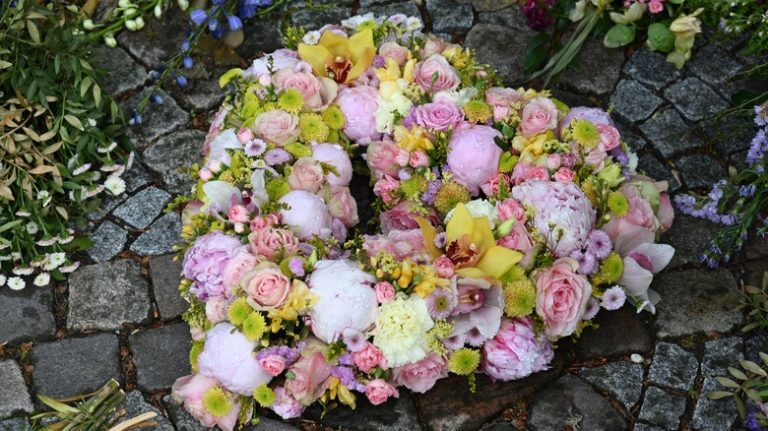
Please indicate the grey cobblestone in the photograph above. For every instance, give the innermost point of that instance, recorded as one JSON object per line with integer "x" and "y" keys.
{"x": 116, "y": 61}
{"x": 450, "y": 17}
{"x": 166, "y": 275}
{"x": 135, "y": 405}
{"x": 662, "y": 409}
{"x": 142, "y": 208}
{"x": 108, "y": 240}
{"x": 390, "y": 8}
{"x": 14, "y": 397}
{"x": 695, "y": 99}
{"x": 624, "y": 379}
{"x": 714, "y": 65}
{"x": 651, "y": 69}
{"x": 673, "y": 367}
{"x": 633, "y": 102}
{"x": 669, "y": 133}
{"x": 26, "y": 315}
{"x": 172, "y": 154}
{"x": 598, "y": 70}
{"x": 160, "y": 238}
{"x": 158, "y": 121}
{"x": 161, "y": 355}
{"x": 700, "y": 171}
{"x": 492, "y": 44}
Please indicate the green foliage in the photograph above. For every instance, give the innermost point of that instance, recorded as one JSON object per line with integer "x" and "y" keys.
{"x": 734, "y": 18}
{"x": 619, "y": 35}
{"x": 751, "y": 384}
{"x": 756, "y": 301}
{"x": 660, "y": 38}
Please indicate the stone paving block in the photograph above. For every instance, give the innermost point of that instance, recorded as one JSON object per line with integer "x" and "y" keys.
{"x": 314, "y": 19}
{"x": 700, "y": 171}
{"x": 623, "y": 379}
{"x": 492, "y": 43}
{"x": 645, "y": 427}
{"x": 669, "y": 134}
{"x": 108, "y": 203}
{"x": 633, "y": 102}
{"x": 491, "y": 5}
{"x": 14, "y": 396}
{"x": 653, "y": 168}
{"x": 721, "y": 353}
{"x": 73, "y": 366}
{"x": 598, "y": 70}
{"x": 391, "y": 8}
{"x": 116, "y": 62}
{"x": 714, "y": 65}
{"x": 142, "y": 208}
{"x": 136, "y": 177}
{"x": 108, "y": 241}
{"x": 166, "y": 275}
{"x": 161, "y": 355}
{"x": 265, "y": 36}
{"x": 635, "y": 141}
{"x": 696, "y": 301}
{"x": 135, "y": 405}
{"x": 15, "y": 424}
{"x": 157, "y": 121}
{"x": 159, "y": 40}
{"x": 651, "y": 69}
{"x": 182, "y": 420}
{"x": 662, "y": 409}
{"x": 673, "y": 367}
{"x": 695, "y": 99}
{"x": 690, "y": 237}
{"x": 713, "y": 414}
{"x": 610, "y": 338}
{"x": 570, "y": 401}
{"x": 368, "y": 3}
{"x": 449, "y": 16}
{"x": 202, "y": 94}
{"x": 104, "y": 296}
{"x": 160, "y": 238}
{"x": 26, "y": 314}
{"x": 172, "y": 154}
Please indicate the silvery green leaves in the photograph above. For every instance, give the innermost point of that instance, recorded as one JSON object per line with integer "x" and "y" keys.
{"x": 619, "y": 35}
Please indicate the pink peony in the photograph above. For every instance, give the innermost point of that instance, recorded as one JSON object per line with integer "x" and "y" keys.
{"x": 526, "y": 172}
{"x": 317, "y": 93}
{"x": 306, "y": 175}
{"x": 270, "y": 243}
{"x": 266, "y": 286}
{"x": 386, "y": 158}
{"x": 442, "y": 115}
{"x": 369, "y": 357}
{"x": 500, "y": 100}
{"x": 307, "y": 214}
{"x": 394, "y": 51}
{"x": 401, "y": 243}
{"x": 561, "y": 297}
{"x": 285, "y": 405}
{"x": 347, "y": 299}
{"x": 564, "y": 175}
{"x": 273, "y": 364}
{"x": 359, "y": 105}
{"x": 378, "y": 391}
{"x": 473, "y": 156}
{"x": 310, "y": 378}
{"x": 539, "y": 115}
{"x": 189, "y": 391}
{"x": 228, "y": 357}
{"x": 515, "y": 352}
{"x": 385, "y": 187}
{"x": 342, "y": 206}
{"x": 334, "y": 155}
{"x": 420, "y": 376}
{"x": 241, "y": 262}
{"x": 510, "y": 209}
{"x": 435, "y": 74}
{"x": 277, "y": 126}
{"x": 385, "y": 292}
{"x": 206, "y": 261}
{"x": 401, "y": 217}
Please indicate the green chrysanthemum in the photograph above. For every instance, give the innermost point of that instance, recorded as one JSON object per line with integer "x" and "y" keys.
{"x": 291, "y": 100}
{"x": 451, "y": 194}
{"x": 413, "y": 187}
{"x": 216, "y": 402}
{"x": 194, "y": 352}
{"x": 264, "y": 395}
{"x": 313, "y": 128}
{"x": 477, "y": 111}
{"x": 611, "y": 268}
{"x": 519, "y": 298}
{"x": 585, "y": 133}
{"x": 464, "y": 361}
{"x": 254, "y": 326}
{"x": 238, "y": 311}
{"x": 618, "y": 204}
{"x": 334, "y": 118}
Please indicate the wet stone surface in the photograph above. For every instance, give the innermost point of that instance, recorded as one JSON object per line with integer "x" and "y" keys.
{"x": 633, "y": 102}
{"x": 673, "y": 367}
{"x": 695, "y": 99}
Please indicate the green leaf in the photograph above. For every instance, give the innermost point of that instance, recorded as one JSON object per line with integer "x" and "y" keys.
{"x": 718, "y": 395}
{"x": 619, "y": 35}
{"x": 5, "y": 64}
{"x": 298, "y": 150}
{"x": 660, "y": 38}
{"x": 97, "y": 94}
{"x": 735, "y": 372}
{"x": 728, "y": 383}
{"x": 58, "y": 406}
{"x": 34, "y": 33}
{"x": 228, "y": 76}
{"x": 84, "y": 85}
{"x": 74, "y": 121}
{"x": 11, "y": 225}
{"x": 753, "y": 367}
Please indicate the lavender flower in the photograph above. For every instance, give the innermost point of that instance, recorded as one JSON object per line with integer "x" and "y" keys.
{"x": 614, "y": 298}
{"x": 277, "y": 156}
{"x": 592, "y": 308}
{"x": 441, "y": 302}
{"x": 599, "y": 244}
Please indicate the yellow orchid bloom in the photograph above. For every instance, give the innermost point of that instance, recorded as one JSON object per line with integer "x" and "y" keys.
{"x": 338, "y": 57}
{"x": 390, "y": 72}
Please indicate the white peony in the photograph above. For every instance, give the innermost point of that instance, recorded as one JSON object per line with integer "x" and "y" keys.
{"x": 479, "y": 208}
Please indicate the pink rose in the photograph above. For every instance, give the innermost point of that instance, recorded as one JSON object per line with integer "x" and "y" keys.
{"x": 386, "y": 158}
{"x": 443, "y": 266}
{"x": 554, "y": 161}
{"x": 402, "y": 218}
{"x": 524, "y": 172}
{"x": 419, "y": 159}
{"x": 264, "y": 222}
{"x": 519, "y": 239}
{"x": 500, "y": 100}
{"x": 273, "y": 364}
{"x": 342, "y": 206}
{"x": 385, "y": 292}
{"x": 334, "y": 155}
{"x": 609, "y": 136}
{"x": 564, "y": 175}
{"x": 378, "y": 391}
{"x": 266, "y": 285}
{"x": 310, "y": 378}
{"x": 491, "y": 187}
{"x": 394, "y": 51}
{"x": 510, "y": 209}
{"x": 420, "y": 376}
{"x": 369, "y": 357}
{"x": 539, "y": 115}
{"x": 277, "y": 126}
{"x": 656, "y": 6}
{"x": 306, "y": 175}
{"x": 442, "y": 115}
{"x": 238, "y": 214}
{"x": 240, "y": 263}
{"x": 270, "y": 243}
{"x": 561, "y": 297}
{"x": 473, "y": 155}
{"x": 384, "y": 187}
{"x": 436, "y": 66}
{"x": 189, "y": 391}
{"x": 433, "y": 45}
{"x": 359, "y": 105}
{"x": 317, "y": 93}
{"x": 244, "y": 135}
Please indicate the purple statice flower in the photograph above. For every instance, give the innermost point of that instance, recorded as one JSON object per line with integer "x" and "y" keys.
{"x": 757, "y": 148}
{"x": 345, "y": 359}
{"x": 599, "y": 244}
{"x": 296, "y": 265}
{"x": 752, "y": 423}
{"x": 346, "y": 376}
{"x": 378, "y": 61}
{"x": 614, "y": 298}
{"x": 537, "y": 12}
{"x": 255, "y": 147}
{"x": 291, "y": 354}
{"x": 277, "y": 156}
{"x": 586, "y": 260}
{"x": 592, "y": 308}
{"x": 620, "y": 156}
{"x": 410, "y": 118}
{"x": 428, "y": 197}
{"x": 404, "y": 175}
{"x": 441, "y": 302}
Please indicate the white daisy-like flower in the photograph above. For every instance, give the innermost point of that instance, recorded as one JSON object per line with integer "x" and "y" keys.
{"x": 311, "y": 38}
{"x": 93, "y": 192}
{"x": 32, "y": 228}
{"x": 69, "y": 268}
{"x": 356, "y": 21}
{"x": 5, "y": 258}
{"x": 42, "y": 279}
{"x": 412, "y": 23}
{"x": 55, "y": 260}
{"x": 81, "y": 169}
{"x": 3, "y": 279}
{"x": 23, "y": 270}
{"x": 46, "y": 242}
{"x": 129, "y": 163}
{"x": 16, "y": 283}
{"x": 23, "y": 213}
{"x": 115, "y": 185}
{"x": 16, "y": 255}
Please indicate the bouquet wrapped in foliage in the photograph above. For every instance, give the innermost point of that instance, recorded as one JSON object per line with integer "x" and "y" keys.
{"x": 507, "y": 220}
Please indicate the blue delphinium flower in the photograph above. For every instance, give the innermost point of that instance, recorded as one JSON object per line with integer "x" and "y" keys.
{"x": 234, "y": 23}
{"x": 181, "y": 80}
{"x": 187, "y": 62}
{"x": 198, "y": 16}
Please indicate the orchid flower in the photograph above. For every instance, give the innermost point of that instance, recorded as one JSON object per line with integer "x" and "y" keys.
{"x": 338, "y": 57}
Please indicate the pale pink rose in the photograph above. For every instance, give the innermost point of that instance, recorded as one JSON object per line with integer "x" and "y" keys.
{"x": 609, "y": 136}
{"x": 378, "y": 391}
{"x": 270, "y": 242}
{"x": 310, "y": 378}
{"x": 420, "y": 376}
{"x": 359, "y": 105}
{"x": 317, "y": 92}
{"x": 386, "y": 158}
{"x": 554, "y": 161}
{"x": 491, "y": 187}
{"x": 436, "y": 66}
{"x": 205, "y": 174}
{"x": 394, "y": 51}
{"x": 216, "y": 310}
{"x": 403, "y": 244}
{"x": 596, "y": 158}
{"x": 244, "y": 135}
{"x": 443, "y": 266}
{"x": 266, "y": 285}
{"x": 419, "y": 159}
{"x": 500, "y": 100}
{"x": 238, "y": 214}
{"x": 433, "y": 45}
{"x": 525, "y": 172}
{"x": 306, "y": 175}
{"x": 264, "y": 222}
{"x": 384, "y": 187}
{"x": 510, "y": 209}
{"x": 561, "y": 297}
{"x": 342, "y": 206}
{"x": 401, "y": 217}
{"x": 441, "y": 115}
{"x": 334, "y": 155}
{"x": 539, "y": 115}
{"x": 564, "y": 175}
{"x": 189, "y": 391}
{"x": 273, "y": 364}
{"x": 656, "y": 6}
{"x": 277, "y": 127}
{"x": 369, "y": 357}
{"x": 385, "y": 292}
{"x": 240, "y": 263}
{"x": 473, "y": 155}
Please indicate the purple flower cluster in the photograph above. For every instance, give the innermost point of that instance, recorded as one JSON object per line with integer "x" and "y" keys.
{"x": 291, "y": 354}
{"x": 346, "y": 376}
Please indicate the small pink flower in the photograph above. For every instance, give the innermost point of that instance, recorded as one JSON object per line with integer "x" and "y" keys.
{"x": 306, "y": 175}
{"x": 378, "y": 391}
{"x": 609, "y": 136}
{"x": 244, "y": 135}
{"x": 500, "y": 100}
{"x": 238, "y": 214}
{"x": 539, "y": 115}
{"x": 510, "y": 209}
{"x": 369, "y": 357}
{"x": 342, "y": 206}
{"x": 259, "y": 223}
{"x": 564, "y": 175}
{"x": 394, "y": 51}
{"x": 205, "y": 174}
{"x": 656, "y": 6}
{"x": 420, "y": 376}
{"x": 491, "y": 187}
{"x": 443, "y": 266}
{"x": 385, "y": 292}
{"x": 269, "y": 243}
{"x": 436, "y": 74}
{"x": 384, "y": 188}
{"x": 554, "y": 161}
{"x": 386, "y": 158}
{"x": 419, "y": 159}
{"x": 273, "y": 364}
{"x": 524, "y": 172}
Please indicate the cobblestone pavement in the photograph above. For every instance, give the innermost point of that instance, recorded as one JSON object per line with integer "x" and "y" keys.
{"x": 118, "y": 316}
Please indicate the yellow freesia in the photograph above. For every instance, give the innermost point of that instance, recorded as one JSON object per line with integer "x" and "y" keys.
{"x": 338, "y": 57}
{"x": 390, "y": 72}
{"x": 413, "y": 139}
